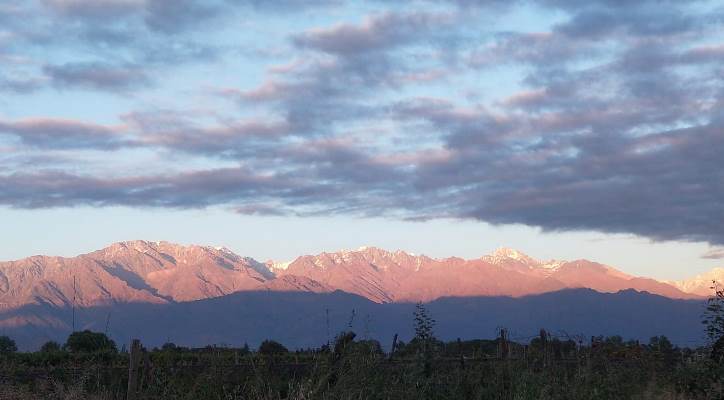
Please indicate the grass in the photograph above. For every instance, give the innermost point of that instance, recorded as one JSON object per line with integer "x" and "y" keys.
{"x": 611, "y": 369}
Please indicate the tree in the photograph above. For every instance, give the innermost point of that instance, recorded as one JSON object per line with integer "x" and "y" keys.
{"x": 424, "y": 324}
{"x": 714, "y": 314}
{"x": 168, "y": 346}
{"x": 89, "y": 342}
{"x": 50, "y": 347}
{"x": 664, "y": 350}
{"x": 662, "y": 344}
{"x": 424, "y": 337}
{"x": 7, "y": 346}
{"x": 270, "y": 347}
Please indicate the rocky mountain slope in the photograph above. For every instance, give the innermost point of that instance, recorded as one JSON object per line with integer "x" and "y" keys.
{"x": 202, "y": 295}
{"x": 162, "y": 272}
{"x": 384, "y": 276}
{"x": 137, "y": 272}
{"x": 303, "y": 319}
{"x": 701, "y": 284}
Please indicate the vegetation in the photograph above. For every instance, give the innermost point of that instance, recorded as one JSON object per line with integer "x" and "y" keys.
{"x": 89, "y": 342}
{"x": 543, "y": 367}
{"x": 270, "y": 348}
{"x": 7, "y": 346}
{"x": 50, "y": 347}
{"x": 714, "y": 321}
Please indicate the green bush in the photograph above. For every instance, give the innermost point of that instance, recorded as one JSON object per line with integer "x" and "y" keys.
{"x": 270, "y": 347}
{"x": 7, "y": 346}
{"x": 89, "y": 342}
{"x": 50, "y": 347}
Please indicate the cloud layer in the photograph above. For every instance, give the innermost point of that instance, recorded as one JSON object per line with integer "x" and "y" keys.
{"x": 603, "y": 116}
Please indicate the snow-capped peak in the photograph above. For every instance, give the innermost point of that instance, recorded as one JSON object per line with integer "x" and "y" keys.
{"x": 280, "y": 265}
{"x": 504, "y": 253}
{"x": 552, "y": 265}
{"x": 222, "y": 249}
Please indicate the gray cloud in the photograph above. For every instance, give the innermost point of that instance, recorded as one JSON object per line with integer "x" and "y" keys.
{"x": 376, "y": 33}
{"x": 91, "y": 10}
{"x": 714, "y": 254}
{"x": 179, "y": 15}
{"x": 233, "y": 139}
{"x": 51, "y": 189}
{"x": 620, "y": 5}
{"x": 344, "y": 64}
{"x": 63, "y": 134}
{"x": 612, "y": 122}
{"x": 144, "y": 33}
{"x": 96, "y": 75}
{"x": 19, "y": 86}
{"x": 596, "y": 23}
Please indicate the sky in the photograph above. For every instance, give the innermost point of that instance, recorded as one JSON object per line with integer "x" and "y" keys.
{"x": 562, "y": 128}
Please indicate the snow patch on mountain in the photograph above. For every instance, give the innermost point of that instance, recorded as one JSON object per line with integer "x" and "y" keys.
{"x": 280, "y": 265}
{"x": 701, "y": 284}
{"x": 553, "y": 265}
{"x": 504, "y": 255}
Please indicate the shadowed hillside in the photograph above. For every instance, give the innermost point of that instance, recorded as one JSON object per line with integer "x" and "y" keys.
{"x": 299, "y": 319}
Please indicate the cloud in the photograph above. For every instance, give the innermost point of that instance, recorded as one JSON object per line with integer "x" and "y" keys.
{"x": 605, "y": 118}
{"x": 714, "y": 254}
{"x": 126, "y": 38}
{"x": 232, "y": 139}
{"x": 262, "y": 209}
{"x": 52, "y": 189}
{"x": 179, "y": 15}
{"x": 345, "y": 63}
{"x": 375, "y": 33}
{"x": 91, "y": 10}
{"x": 97, "y": 75}
{"x": 619, "y": 5}
{"x": 20, "y": 86}
{"x": 597, "y": 23}
{"x": 63, "y": 134}
{"x": 282, "y": 6}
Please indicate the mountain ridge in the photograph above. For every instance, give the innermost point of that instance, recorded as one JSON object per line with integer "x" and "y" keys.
{"x": 701, "y": 284}
{"x": 304, "y": 319}
{"x": 162, "y": 272}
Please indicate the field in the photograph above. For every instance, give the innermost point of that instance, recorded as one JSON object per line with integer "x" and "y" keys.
{"x": 546, "y": 368}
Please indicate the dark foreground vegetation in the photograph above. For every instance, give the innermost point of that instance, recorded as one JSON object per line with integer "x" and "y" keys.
{"x": 89, "y": 366}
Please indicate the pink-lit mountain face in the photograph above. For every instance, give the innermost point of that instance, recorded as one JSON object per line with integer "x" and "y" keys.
{"x": 703, "y": 284}
{"x": 384, "y": 276}
{"x": 161, "y": 272}
{"x": 137, "y": 271}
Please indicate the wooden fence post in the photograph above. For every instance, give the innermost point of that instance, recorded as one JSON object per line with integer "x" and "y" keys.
{"x": 503, "y": 344}
{"x": 544, "y": 345}
{"x": 462, "y": 356}
{"x": 394, "y": 346}
{"x": 133, "y": 362}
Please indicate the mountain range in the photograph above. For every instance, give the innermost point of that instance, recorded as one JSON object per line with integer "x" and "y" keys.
{"x": 37, "y": 292}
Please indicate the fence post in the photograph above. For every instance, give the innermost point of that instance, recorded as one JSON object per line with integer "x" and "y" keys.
{"x": 394, "y": 346}
{"x": 544, "y": 344}
{"x": 462, "y": 356}
{"x": 503, "y": 344}
{"x": 133, "y": 362}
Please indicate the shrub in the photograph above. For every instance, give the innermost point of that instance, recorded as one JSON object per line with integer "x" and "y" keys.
{"x": 89, "y": 342}
{"x": 50, "y": 347}
{"x": 714, "y": 316}
{"x": 270, "y": 347}
{"x": 7, "y": 346}
{"x": 169, "y": 347}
